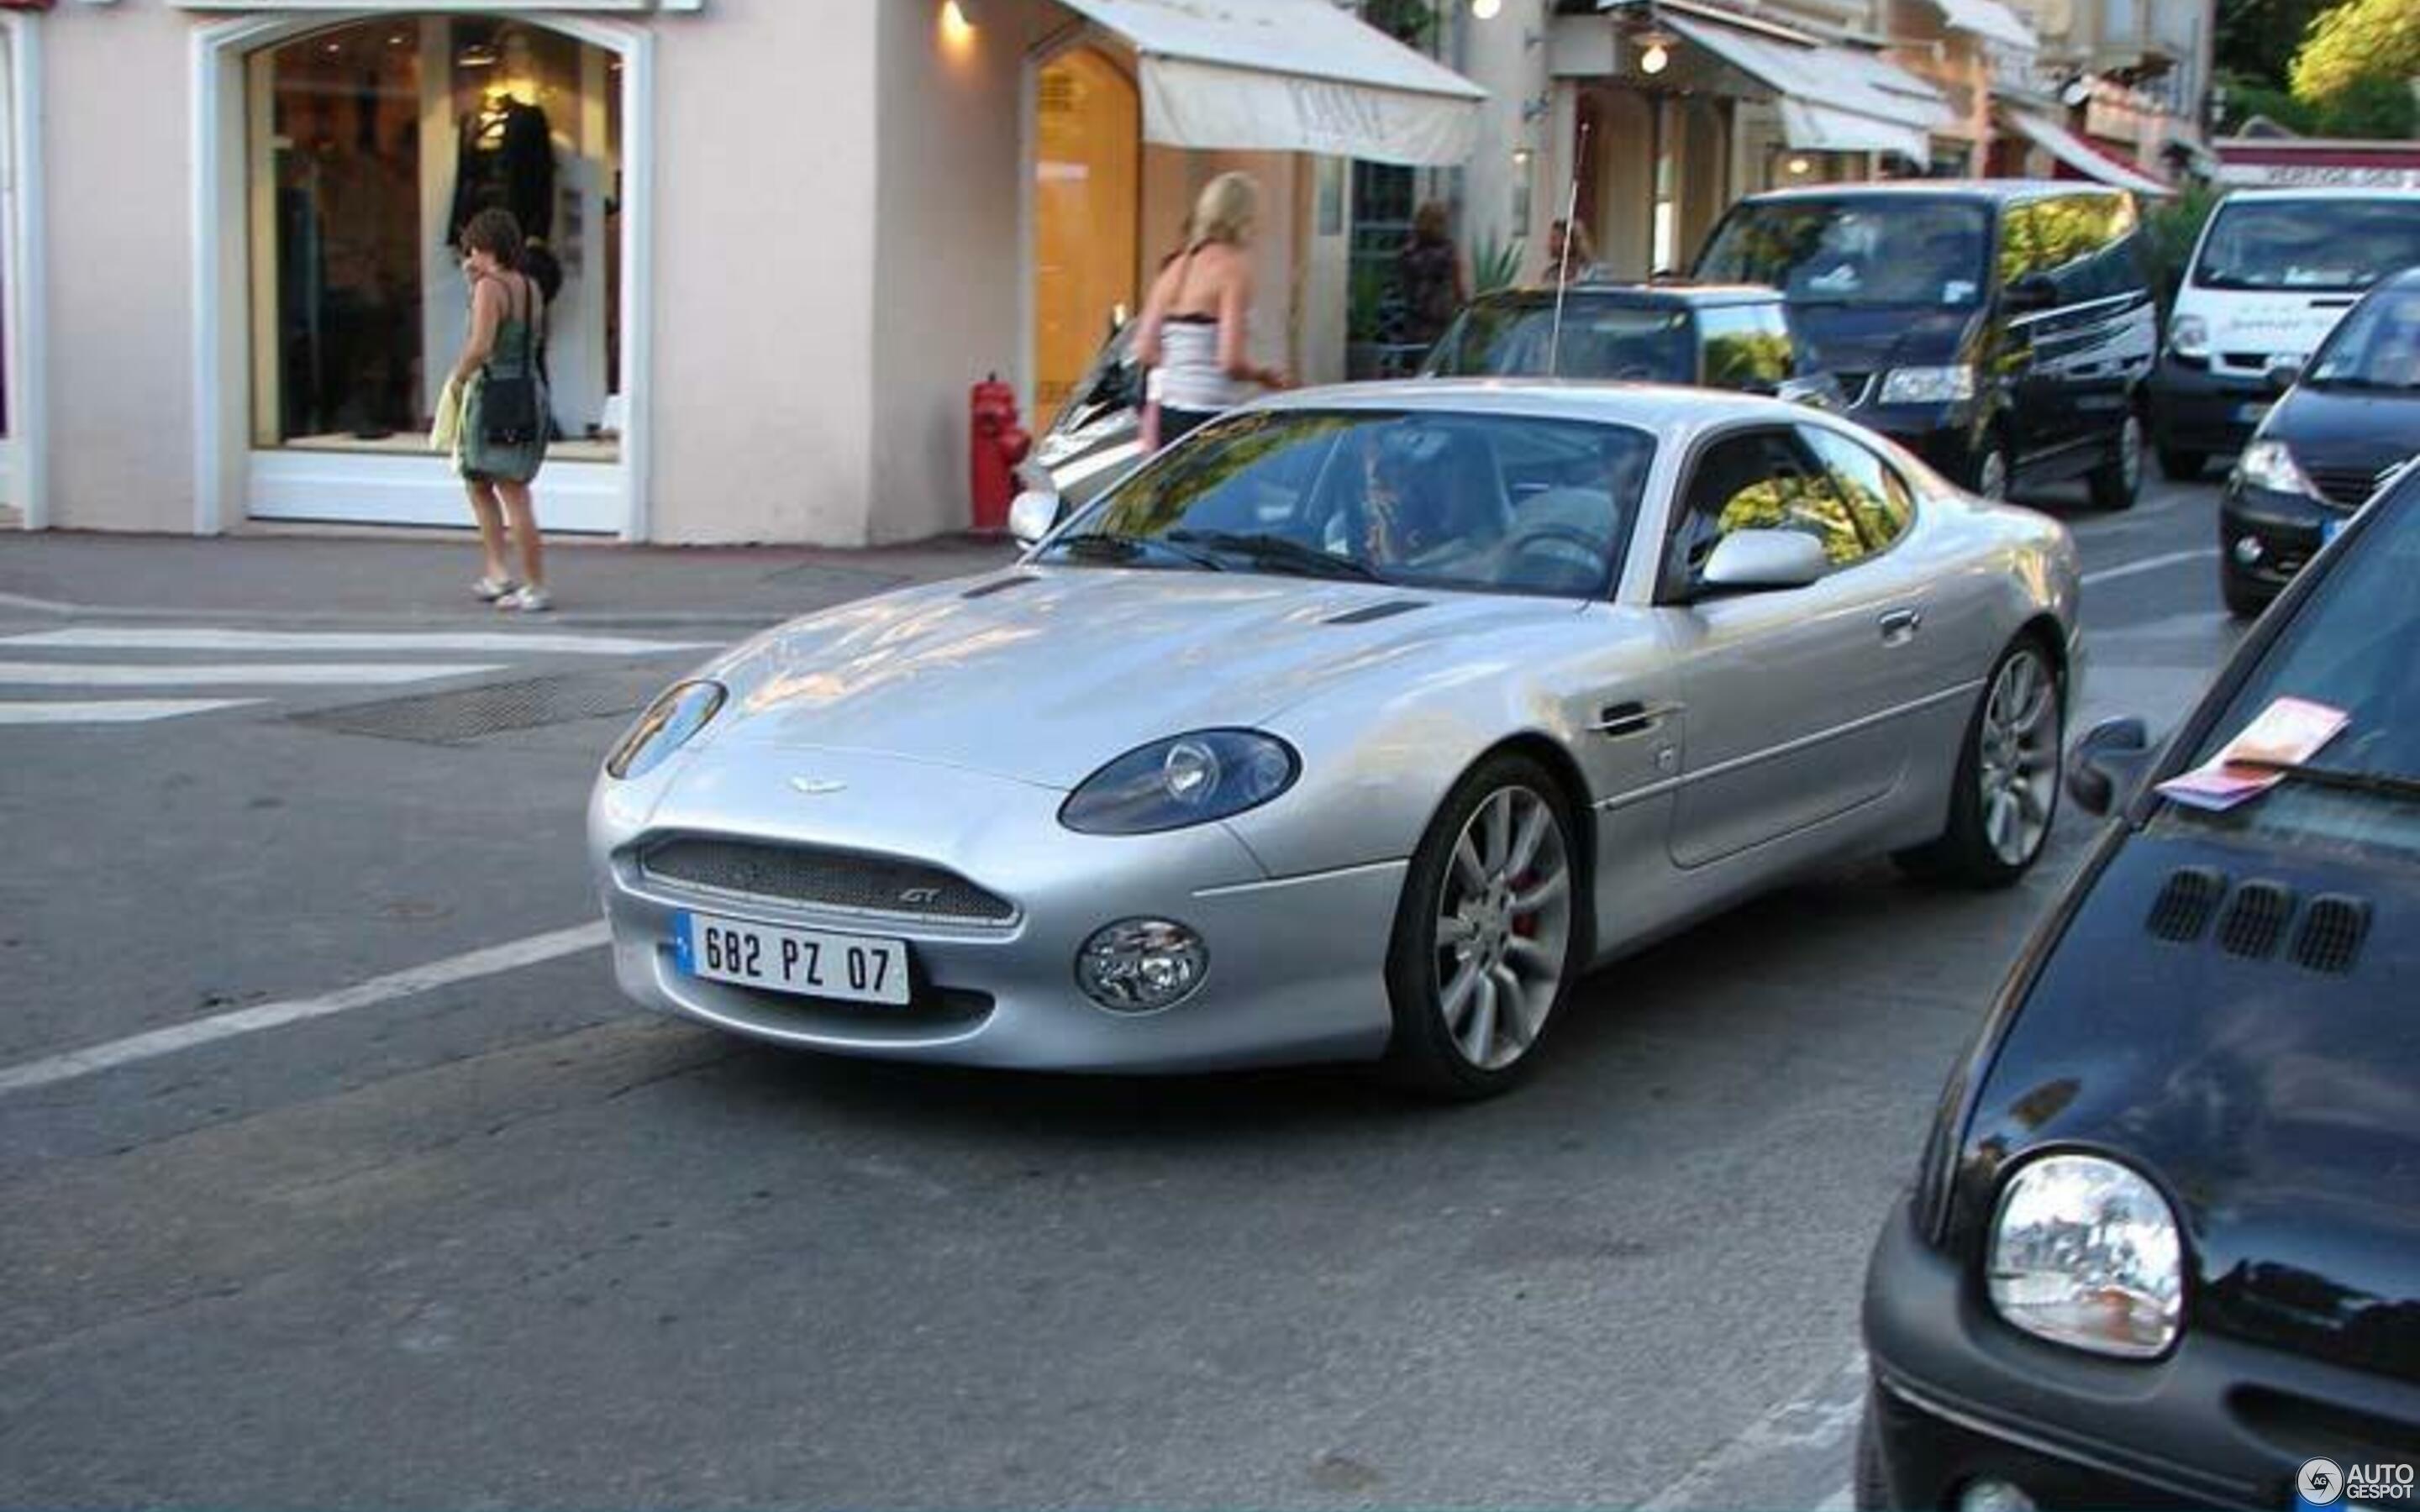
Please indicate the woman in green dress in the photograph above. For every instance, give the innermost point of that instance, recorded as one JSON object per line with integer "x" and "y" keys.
{"x": 499, "y": 368}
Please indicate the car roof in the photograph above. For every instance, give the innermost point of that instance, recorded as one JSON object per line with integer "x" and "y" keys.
{"x": 2320, "y": 191}
{"x": 1612, "y": 290}
{"x": 1648, "y": 406}
{"x": 1980, "y": 191}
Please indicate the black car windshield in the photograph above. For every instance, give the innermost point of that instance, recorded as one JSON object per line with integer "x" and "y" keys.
{"x": 1490, "y": 503}
{"x": 2308, "y": 245}
{"x": 2376, "y": 347}
{"x": 2354, "y": 646}
{"x": 1513, "y": 336}
{"x": 1860, "y": 251}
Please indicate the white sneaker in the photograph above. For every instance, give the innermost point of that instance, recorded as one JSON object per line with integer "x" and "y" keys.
{"x": 527, "y": 599}
{"x": 493, "y": 588}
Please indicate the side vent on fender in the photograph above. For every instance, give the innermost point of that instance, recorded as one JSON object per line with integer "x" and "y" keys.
{"x": 997, "y": 585}
{"x": 2333, "y": 928}
{"x": 2183, "y": 908}
{"x": 1384, "y": 609}
{"x": 2255, "y": 919}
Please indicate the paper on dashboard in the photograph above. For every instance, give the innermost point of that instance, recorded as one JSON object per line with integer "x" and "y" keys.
{"x": 2290, "y": 730}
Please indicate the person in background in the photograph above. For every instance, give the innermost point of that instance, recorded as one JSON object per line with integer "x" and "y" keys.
{"x": 1565, "y": 240}
{"x": 499, "y": 463}
{"x": 1428, "y": 277}
{"x": 1196, "y": 338}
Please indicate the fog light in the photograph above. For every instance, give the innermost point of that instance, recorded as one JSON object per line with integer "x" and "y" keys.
{"x": 2247, "y": 551}
{"x": 1140, "y": 966}
{"x": 1988, "y": 1495}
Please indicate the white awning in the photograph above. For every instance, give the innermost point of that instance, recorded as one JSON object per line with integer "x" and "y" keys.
{"x": 1832, "y": 99}
{"x": 1989, "y": 19}
{"x": 2083, "y": 155}
{"x": 1289, "y": 76}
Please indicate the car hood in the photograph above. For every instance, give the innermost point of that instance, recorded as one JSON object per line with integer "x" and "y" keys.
{"x": 1871, "y": 339}
{"x": 2270, "y": 1096}
{"x": 1044, "y": 674}
{"x": 2346, "y": 429}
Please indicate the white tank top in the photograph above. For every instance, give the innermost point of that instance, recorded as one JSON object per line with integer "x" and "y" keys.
{"x": 1190, "y": 376}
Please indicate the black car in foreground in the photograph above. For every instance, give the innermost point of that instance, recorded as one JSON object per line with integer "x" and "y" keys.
{"x": 1715, "y": 335}
{"x": 2163, "y": 1243}
{"x": 2351, "y": 418}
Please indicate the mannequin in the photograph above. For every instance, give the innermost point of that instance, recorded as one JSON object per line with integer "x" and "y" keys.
{"x": 506, "y": 153}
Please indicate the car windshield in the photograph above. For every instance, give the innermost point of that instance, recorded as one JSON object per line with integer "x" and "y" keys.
{"x": 1490, "y": 503}
{"x": 1855, "y": 250}
{"x": 1514, "y": 335}
{"x": 2375, "y": 348}
{"x": 2353, "y": 646}
{"x": 2308, "y": 245}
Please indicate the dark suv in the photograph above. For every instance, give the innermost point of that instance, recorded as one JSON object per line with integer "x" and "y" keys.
{"x": 2002, "y": 329}
{"x": 1721, "y": 336}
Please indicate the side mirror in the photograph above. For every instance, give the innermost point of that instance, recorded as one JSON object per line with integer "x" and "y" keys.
{"x": 2031, "y": 294}
{"x": 1822, "y": 392}
{"x": 2283, "y": 375}
{"x": 2106, "y": 764}
{"x": 1032, "y": 515}
{"x": 1765, "y": 558}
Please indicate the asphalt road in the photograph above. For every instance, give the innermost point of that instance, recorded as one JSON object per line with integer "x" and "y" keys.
{"x": 500, "y": 1242}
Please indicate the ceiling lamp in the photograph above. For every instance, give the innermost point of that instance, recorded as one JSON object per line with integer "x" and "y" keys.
{"x": 1654, "y": 50}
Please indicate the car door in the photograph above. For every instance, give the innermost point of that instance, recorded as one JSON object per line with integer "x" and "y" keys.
{"x": 1790, "y": 694}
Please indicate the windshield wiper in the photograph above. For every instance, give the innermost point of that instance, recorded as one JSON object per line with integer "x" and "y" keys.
{"x": 1126, "y": 548}
{"x": 1279, "y": 553}
{"x": 2388, "y": 784}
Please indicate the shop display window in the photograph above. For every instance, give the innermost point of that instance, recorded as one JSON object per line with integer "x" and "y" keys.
{"x": 371, "y": 145}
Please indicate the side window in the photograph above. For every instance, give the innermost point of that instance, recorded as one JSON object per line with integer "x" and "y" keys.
{"x": 1764, "y": 480}
{"x": 1744, "y": 349}
{"x": 2074, "y": 240}
{"x": 1879, "y": 505}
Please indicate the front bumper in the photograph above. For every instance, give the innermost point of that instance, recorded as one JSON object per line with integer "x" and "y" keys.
{"x": 1296, "y": 965}
{"x": 2289, "y": 527}
{"x": 1943, "y": 434}
{"x": 1959, "y": 1396}
{"x": 2196, "y": 410}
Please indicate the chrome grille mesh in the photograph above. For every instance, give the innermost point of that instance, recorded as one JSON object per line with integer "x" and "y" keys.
{"x": 824, "y": 878}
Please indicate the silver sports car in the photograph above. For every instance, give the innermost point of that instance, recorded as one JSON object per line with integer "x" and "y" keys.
{"x": 1357, "y": 726}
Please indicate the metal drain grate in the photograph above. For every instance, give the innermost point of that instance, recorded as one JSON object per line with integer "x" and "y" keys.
{"x": 468, "y": 713}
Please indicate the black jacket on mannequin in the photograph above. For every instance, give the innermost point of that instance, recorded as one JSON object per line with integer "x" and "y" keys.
{"x": 508, "y": 163}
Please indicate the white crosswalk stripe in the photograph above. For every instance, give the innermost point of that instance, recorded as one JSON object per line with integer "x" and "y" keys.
{"x": 49, "y": 665}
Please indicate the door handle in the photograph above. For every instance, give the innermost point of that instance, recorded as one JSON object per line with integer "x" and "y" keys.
{"x": 1900, "y": 625}
{"x": 1616, "y": 722}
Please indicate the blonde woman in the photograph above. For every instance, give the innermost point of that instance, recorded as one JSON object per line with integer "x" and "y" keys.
{"x": 1196, "y": 332}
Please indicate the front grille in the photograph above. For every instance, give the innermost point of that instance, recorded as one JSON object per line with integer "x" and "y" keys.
{"x": 2331, "y": 935}
{"x": 2349, "y": 487}
{"x": 823, "y": 878}
{"x": 2255, "y": 917}
{"x": 2248, "y": 362}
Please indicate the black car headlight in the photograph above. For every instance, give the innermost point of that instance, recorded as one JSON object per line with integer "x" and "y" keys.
{"x": 1186, "y": 779}
{"x": 679, "y": 712}
{"x": 2085, "y": 1251}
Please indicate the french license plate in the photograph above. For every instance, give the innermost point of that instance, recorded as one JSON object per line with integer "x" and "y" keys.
{"x": 850, "y": 968}
{"x": 2251, "y": 414}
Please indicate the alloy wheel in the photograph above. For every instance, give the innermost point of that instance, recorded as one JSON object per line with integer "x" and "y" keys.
{"x": 1991, "y": 474}
{"x": 1503, "y": 927}
{"x": 2018, "y": 770}
{"x": 2130, "y": 454}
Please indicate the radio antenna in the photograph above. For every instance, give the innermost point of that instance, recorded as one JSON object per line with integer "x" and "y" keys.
{"x": 1563, "y": 255}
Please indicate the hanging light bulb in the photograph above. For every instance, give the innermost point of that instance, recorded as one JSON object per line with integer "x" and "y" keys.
{"x": 1487, "y": 9}
{"x": 1655, "y": 59}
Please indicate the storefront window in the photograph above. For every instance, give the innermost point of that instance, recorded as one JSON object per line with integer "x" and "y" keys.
{"x": 1087, "y": 204}
{"x": 371, "y": 145}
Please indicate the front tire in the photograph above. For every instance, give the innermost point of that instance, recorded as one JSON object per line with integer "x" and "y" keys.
{"x": 2244, "y": 600}
{"x": 1489, "y": 933}
{"x": 2178, "y": 465}
{"x": 2005, "y": 790}
{"x": 2118, "y": 482}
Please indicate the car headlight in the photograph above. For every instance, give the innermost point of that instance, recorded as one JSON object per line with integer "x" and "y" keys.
{"x": 679, "y": 712}
{"x": 1929, "y": 385}
{"x": 1189, "y": 779}
{"x": 2269, "y": 465}
{"x": 2189, "y": 336}
{"x": 2086, "y": 1253}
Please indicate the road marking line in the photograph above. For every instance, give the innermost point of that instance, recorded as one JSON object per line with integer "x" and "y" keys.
{"x": 2172, "y": 559}
{"x": 494, "y": 959}
{"x": 226, "y": 674}
{"x": 1815, "y": 1422}
{"x": 99, "y": 638}
{"x": 125, "y": 711}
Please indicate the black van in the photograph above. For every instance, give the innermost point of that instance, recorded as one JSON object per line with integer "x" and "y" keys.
{"x": 2002, "y": 329}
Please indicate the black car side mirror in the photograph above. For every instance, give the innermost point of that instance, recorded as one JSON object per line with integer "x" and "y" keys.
{"x": 2031, "y": 294}
{"x": 2106, "y": 764}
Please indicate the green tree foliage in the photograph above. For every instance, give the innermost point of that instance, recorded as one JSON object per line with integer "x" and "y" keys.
{"x": 2257, "y": 39}
{"x": 2351, "y": 50}
{"x": 2170, "y": 228}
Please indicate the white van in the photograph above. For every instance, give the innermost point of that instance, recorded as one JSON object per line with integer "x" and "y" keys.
{"x": 2273, "y": 271}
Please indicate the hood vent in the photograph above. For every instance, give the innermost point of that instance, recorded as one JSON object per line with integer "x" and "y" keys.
{"x": 2183, "y": 908}
{"x": 2255, "y": 917}
{"x": 2333, "y": 930}
{"x": 999, "y": 585}
{"x": 1384, "y": 609}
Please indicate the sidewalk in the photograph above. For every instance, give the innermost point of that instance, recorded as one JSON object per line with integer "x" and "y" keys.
{"x": 383, "y": 579}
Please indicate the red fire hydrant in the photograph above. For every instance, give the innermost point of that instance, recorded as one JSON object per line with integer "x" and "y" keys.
{"x": 997, "y": 445}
